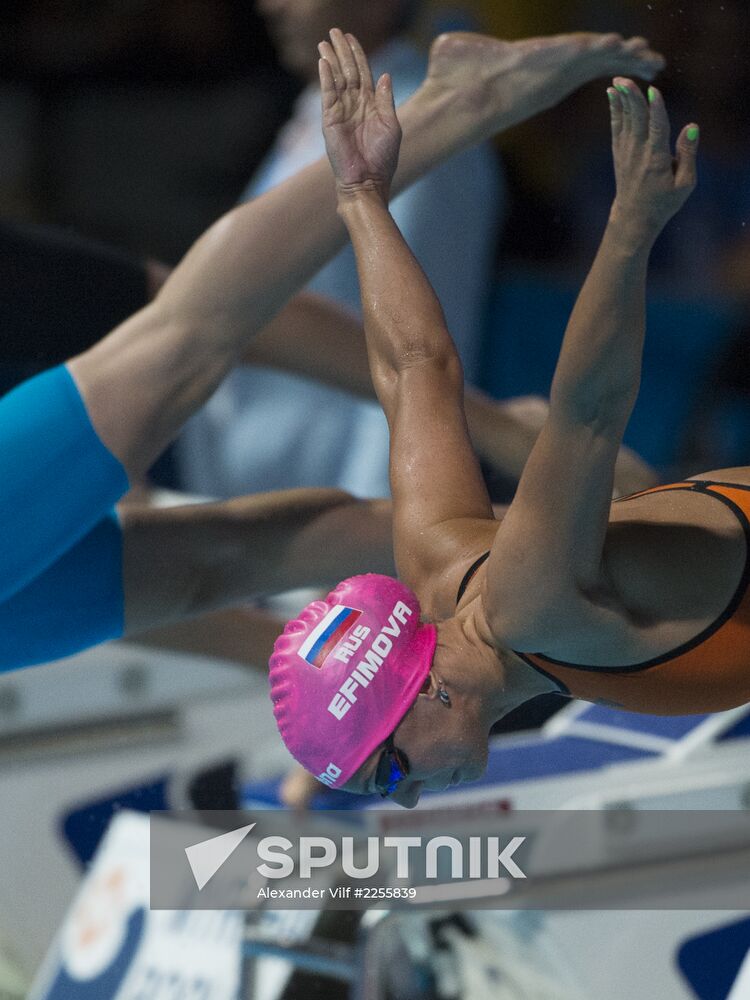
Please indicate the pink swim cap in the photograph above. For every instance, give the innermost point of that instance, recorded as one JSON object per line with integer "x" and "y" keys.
{"x": 345, "y": 673}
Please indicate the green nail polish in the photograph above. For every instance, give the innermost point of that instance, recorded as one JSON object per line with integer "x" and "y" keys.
{"x": 693, "y": 133}
{"x": 651, "y": 94}
{"x": 610, "y": 95}
{"x": 622, "y": 88}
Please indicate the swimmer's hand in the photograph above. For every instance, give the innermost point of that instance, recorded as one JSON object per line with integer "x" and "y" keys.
{"x": 361, "y": 130}
{"x": 652, "y": 185}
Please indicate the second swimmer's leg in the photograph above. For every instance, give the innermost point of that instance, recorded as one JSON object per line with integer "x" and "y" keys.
{"x": 184, "y": 561}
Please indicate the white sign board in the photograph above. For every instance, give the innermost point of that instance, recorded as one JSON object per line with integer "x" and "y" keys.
{"x": 112, "y": 947}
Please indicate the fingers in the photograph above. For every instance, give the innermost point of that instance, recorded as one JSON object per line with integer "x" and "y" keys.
{"x": 328, "y": 53}
{"x": 346, "y": 59}
{"x": 635, "y": 110}
{"x": 327, "y": 84}
{"x": 658, "y": 125}
{"x": 365, "y": 76}
{"x": 384, "y": 96}
{"x": 687, "y": 153}
{"x": 631, "y": 115}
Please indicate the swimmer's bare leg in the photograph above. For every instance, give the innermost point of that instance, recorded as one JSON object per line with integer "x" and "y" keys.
{"x": 243, "y": 636}
{"x": 146, "y": 378}
{"x": 180, "y": 562}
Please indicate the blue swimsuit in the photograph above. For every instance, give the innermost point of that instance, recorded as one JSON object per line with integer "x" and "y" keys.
{"x": 60, "y": 540}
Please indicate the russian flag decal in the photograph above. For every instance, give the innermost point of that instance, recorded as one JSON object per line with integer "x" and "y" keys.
{"x": 327, "y": 634}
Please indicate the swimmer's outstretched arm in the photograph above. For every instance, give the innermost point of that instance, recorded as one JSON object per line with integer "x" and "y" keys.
{"x": 416, "y": 371}
{"x": 142, "y": 382}
{"x": 545, "y": 590}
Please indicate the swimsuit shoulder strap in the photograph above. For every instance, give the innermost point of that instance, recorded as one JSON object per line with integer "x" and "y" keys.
{"x": 469, "y": 574}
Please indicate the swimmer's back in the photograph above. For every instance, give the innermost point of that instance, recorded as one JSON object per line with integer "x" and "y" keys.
{"x": 676, "y": 561}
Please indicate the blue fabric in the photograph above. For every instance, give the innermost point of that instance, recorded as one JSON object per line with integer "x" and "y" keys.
{"x": 75, "y": 603}
{"x": 57, "y": 479}
{"x": 60, "y": 541}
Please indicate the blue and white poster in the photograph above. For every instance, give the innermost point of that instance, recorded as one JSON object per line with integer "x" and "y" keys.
{"x": 113, "y": 947}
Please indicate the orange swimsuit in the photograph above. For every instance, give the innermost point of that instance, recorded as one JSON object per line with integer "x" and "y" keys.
{"x": 709, "y": 673}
